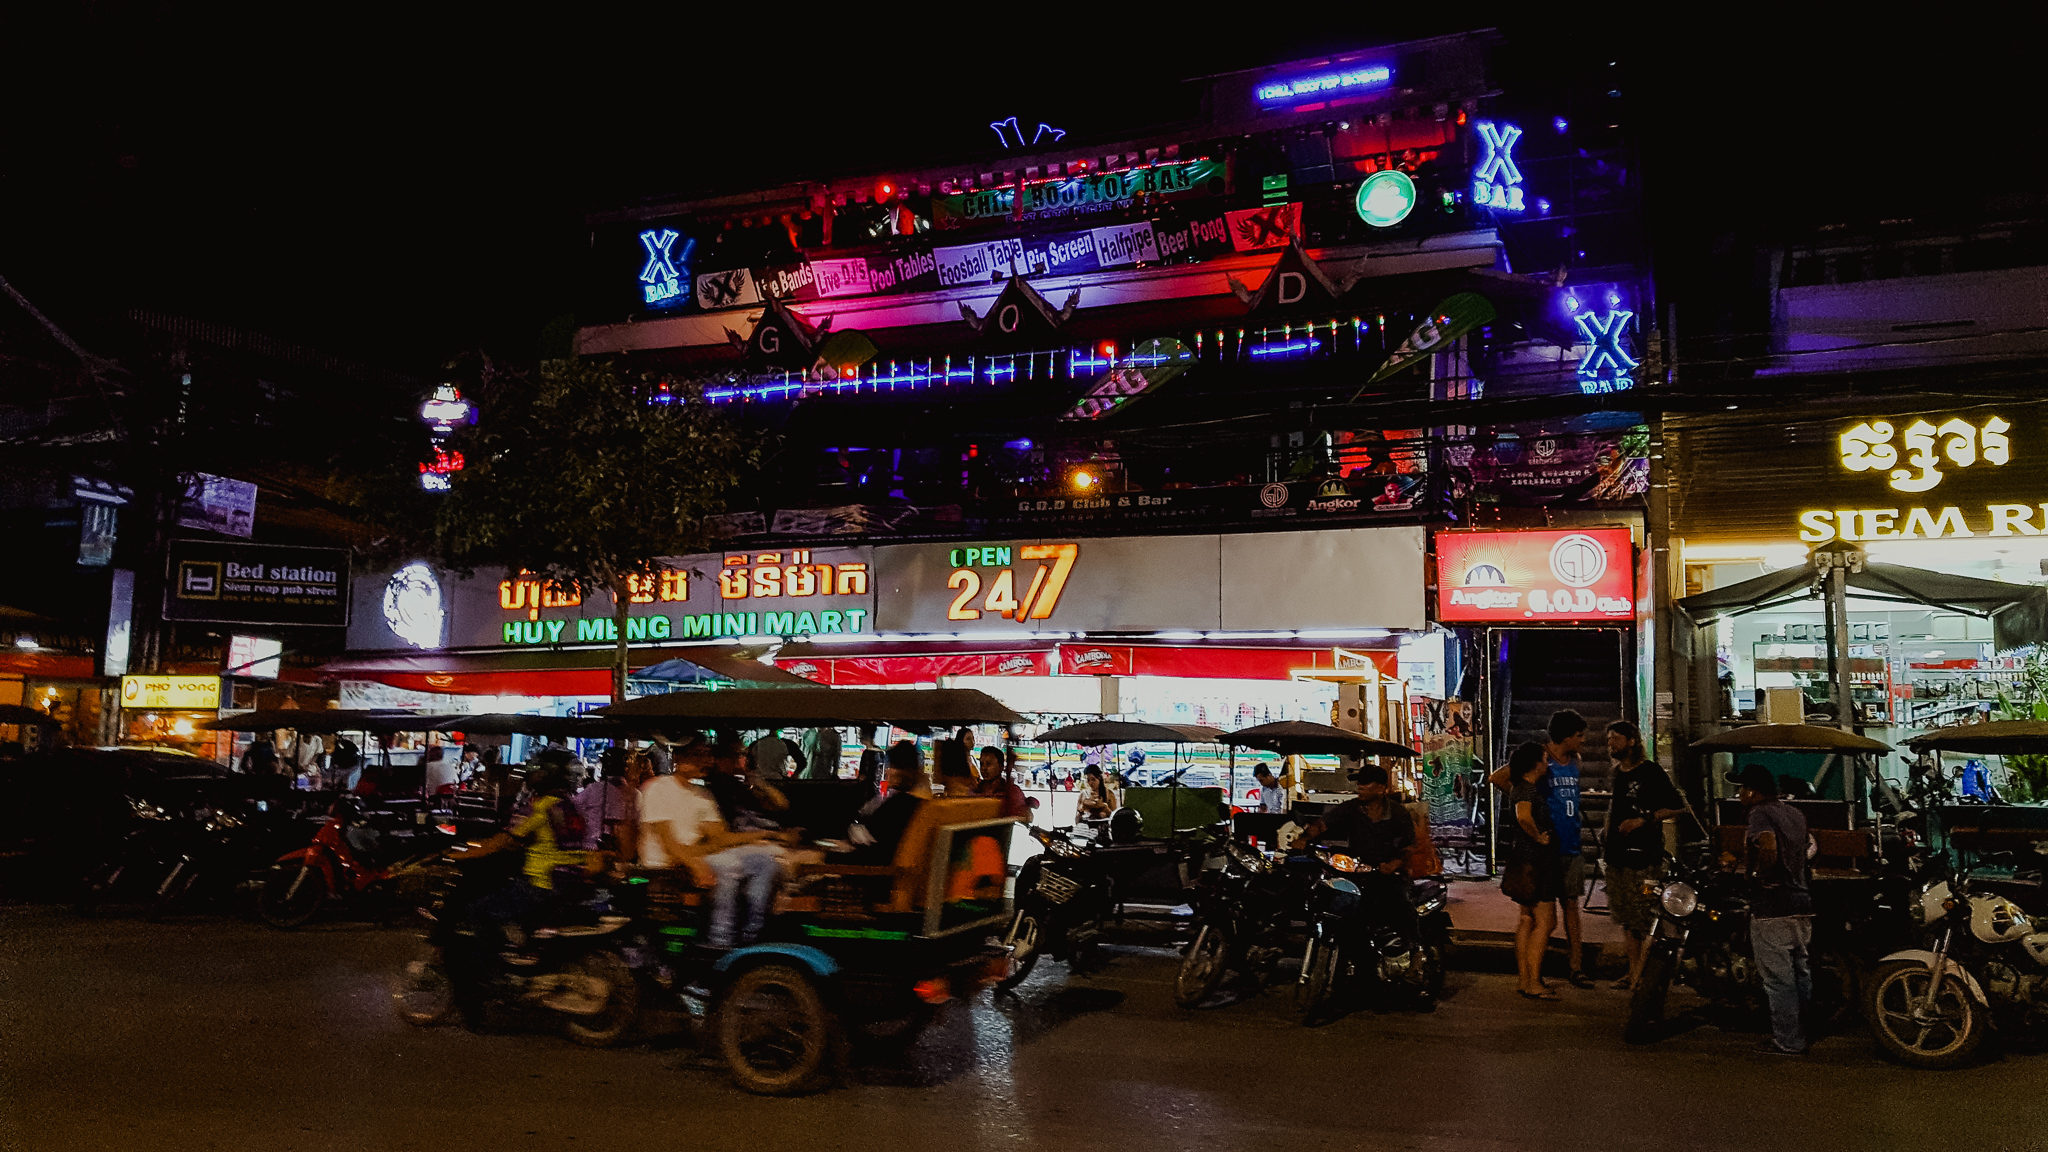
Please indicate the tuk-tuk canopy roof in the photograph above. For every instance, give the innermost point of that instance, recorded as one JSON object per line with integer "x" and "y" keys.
{"x": 507, "y": 723}
{"x": 1098, "y": 732}
{"x": 1794, "y": 737}
{"x": 908, "y": 708}
{"x": 1991, "y": 738}
{"x": 328, "y": 720}
{"x": 1307, "y": 738}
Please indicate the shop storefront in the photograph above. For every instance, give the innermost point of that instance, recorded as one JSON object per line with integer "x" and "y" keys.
{"x": 1226, "y": 630}
{"x": 1940, "y": 515}
{"x": 167, "y": 711}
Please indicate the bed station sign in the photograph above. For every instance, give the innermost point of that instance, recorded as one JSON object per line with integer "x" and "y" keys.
{"x": 1917, "y": 457}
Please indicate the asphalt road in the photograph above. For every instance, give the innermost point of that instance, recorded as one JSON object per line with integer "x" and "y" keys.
{"x": 217, "y": 1033}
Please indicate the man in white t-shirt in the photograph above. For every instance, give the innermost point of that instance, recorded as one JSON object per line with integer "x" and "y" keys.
{"x": 679, "y": 822}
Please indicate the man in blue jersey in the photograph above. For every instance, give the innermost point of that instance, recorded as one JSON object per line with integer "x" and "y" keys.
{"x": 1567, "y": 732}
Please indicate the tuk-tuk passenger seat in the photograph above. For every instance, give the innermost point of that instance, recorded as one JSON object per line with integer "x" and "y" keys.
{"x": 910, "y": 872}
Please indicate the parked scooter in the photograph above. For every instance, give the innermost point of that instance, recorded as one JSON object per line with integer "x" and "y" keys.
{"x": 1934, "y": 1007}
{"x": 1245, "y": 911}
{"x": 1070, "y": 892}
{"x": 350, "y": 860}
{"x": 1355, "y": 941}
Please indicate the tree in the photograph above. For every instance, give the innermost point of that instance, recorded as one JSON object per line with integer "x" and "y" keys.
{"x": 584, "y": 474}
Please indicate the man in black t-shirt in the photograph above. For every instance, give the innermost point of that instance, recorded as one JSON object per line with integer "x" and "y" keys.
{"x": 1643, "y": 799}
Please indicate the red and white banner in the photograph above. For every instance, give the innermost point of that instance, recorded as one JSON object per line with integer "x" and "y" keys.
{"x": 1210, "y": 663}
{"x": 869, "y": 671}
{"x": 1552, "y": 576}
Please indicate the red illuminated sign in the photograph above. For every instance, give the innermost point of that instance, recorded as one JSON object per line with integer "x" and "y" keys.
{"x": 1543, "y": 577}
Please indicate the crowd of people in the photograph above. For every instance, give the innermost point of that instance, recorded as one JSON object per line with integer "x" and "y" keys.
{"x": 1545, "y": 861}
{"x": 714, "y": 809}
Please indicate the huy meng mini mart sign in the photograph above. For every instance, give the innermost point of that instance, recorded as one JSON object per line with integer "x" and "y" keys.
{"x": 1361, "y": 577}
{"x": 766, "y": 592}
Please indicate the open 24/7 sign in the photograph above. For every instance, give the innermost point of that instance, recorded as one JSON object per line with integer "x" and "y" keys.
{"x": 1542, "y": 577}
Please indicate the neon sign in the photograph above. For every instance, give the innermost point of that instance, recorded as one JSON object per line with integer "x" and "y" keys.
{"x": 1039, "y": 599}
{"x": 766, "y": 574}
{"x": 698, "y": 625}
{"x": 1868, "y": 447}
{"x": 1351, "y": 80}
{"x": 1606, "y": 364}
{"x": 1497, "y": 181}
{"x": 1044, "y": 130}
{"x": 666, "y": 272}
{"x": 442, "y": 414}
{"x": 1386, "y": 198}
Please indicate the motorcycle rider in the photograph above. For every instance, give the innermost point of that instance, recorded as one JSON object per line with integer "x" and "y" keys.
{"x": 1781, "y": 908}
{"x": 552, "y": 836}
{"x": 1376, "y": 830}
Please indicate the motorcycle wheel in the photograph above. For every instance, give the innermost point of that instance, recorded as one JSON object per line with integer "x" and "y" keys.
{"x": 1024, "y": 931}
{"x": 621, "y": 1009}
{"x": 1646, "y": 1000}
{"x": 1312, "y": 991}
{"x": 1203, "y": 967}
{"x": 291, "y": 894}
{"x": 422, "y": 994}
{"x": 1945, "y": 1036}
{"x": 774, "y": 1032}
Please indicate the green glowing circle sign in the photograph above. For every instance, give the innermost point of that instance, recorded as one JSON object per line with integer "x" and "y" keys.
{"x": 1386, "y": 198}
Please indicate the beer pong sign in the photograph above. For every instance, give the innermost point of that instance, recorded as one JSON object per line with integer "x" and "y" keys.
{"x": 1560, "y": 576}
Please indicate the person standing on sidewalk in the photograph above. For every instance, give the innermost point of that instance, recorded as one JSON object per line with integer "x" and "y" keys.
{"x": 1567, "y": 733}
{"x": 1780, "y": 907}
{"x": 1533, "y": 866}
{"x": 1643, "y": 799}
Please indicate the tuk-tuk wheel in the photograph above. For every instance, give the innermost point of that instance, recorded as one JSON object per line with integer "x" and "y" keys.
{"x": 1023, "y": 938}
{"x": 775, "y": 1033}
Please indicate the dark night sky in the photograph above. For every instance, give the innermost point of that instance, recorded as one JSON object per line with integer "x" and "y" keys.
{"x": 398, "y": 191}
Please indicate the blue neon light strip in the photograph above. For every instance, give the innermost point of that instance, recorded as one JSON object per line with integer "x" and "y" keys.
{"x": 1081, "y": 364}
{"x": 1325, "y": 82}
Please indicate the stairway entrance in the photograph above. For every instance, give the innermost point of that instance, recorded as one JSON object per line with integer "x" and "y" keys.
{"x": 1538, "y": 671}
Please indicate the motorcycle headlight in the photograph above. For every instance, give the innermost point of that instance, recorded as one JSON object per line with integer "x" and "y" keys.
{"x": 1341, "y": 862}
{"x": 1679, "y": 899}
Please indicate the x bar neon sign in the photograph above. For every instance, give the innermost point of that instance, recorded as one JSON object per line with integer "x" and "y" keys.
{"x": 1497, "y": 182}
{"x": 1605, "y": 353}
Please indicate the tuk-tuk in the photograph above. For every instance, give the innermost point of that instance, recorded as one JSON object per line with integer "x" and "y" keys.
{"x": 875, "y": 949}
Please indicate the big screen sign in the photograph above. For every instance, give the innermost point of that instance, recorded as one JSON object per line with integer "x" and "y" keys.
{"x": 1543, "y": 577}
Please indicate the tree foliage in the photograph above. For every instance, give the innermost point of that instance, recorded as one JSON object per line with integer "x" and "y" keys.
{"x": 578, "y": 472}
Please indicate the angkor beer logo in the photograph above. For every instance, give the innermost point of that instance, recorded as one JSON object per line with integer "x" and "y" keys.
{"x": 1094, "y": 658}
{"x": 1041, "y": 596}
{"x": 1334, "y": 496}
{"x": 1578, "y": 560}
{"x": 1273, "y": 495}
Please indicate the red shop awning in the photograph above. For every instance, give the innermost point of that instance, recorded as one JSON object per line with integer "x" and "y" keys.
{"x": 577, "y": 673}
{"x": 870, "y": 671}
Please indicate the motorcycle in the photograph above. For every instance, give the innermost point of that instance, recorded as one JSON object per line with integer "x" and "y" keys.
{"x": 1353, "y": 940}
{"x": 1934, "y": 1007}
{"x": 1245, "y": 911}
{"x": 1701, "y": 940}
{"x": 351, "y": 858}
{"x": 1068, "y": 893}
{"x": 575, "y": 970}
